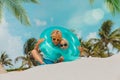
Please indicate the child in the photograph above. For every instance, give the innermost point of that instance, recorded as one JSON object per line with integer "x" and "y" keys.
{"x": 63, "y": 44}
{"x": 56, "y": 37}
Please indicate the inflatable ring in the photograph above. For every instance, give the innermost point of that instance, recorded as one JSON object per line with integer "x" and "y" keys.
{"x": 47, "y": 47}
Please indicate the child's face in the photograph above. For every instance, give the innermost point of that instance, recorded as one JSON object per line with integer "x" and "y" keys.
{"x": 63, "y": 44}
{"x": 56, "y": 40}
{"x": 56, "y": 37}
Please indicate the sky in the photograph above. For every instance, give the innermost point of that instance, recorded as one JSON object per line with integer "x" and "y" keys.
{"x": 80, "y": 15}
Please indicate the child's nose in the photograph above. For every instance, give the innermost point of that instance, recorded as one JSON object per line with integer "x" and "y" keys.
{"x": 55, "y": 40}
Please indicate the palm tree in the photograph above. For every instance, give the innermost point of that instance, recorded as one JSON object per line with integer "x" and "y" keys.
{"x": 25, "y": 61}
{"x": 15, "y": 6}
{"x": 28, "y": 47}
{"x": 4, "y": 60}
{"x": 28, "y": 59}
{"x": 88, "y": 48}
{"x": 113, "y": 5}
{"x": 99, "y": 49}
{"x": 107, "y": 36}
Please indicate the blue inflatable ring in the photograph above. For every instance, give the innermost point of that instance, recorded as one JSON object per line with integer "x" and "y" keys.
{"x": 47, "y": 47}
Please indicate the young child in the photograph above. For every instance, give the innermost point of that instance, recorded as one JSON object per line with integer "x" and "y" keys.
{"x": 66, "y": 52}
{"x": 56, "y": 37}
{"x": 63, "y": 44}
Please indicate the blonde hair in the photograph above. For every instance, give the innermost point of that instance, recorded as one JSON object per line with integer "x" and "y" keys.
{"x": 56, "y": 33}
{"x": 64, "y": 40}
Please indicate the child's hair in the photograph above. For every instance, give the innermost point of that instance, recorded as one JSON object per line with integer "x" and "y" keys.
{"x": 56, "y": 33}
{"x": 65, "y": 42}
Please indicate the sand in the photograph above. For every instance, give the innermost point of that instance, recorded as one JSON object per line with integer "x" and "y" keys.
{"x": 2, "y": 70}
{"x": 82, "y": 69}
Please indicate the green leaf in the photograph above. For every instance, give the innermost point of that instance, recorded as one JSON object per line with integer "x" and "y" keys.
{"x": 91, "y": 1}
{"x": 113, "y": 6}
{"x": 16, "y": 8}
{"x": 33, "y": 1}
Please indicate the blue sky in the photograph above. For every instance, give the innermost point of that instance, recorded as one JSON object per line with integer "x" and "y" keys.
{"x": 79, "y": 15}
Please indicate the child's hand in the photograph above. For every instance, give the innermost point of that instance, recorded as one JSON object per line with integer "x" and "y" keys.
{"x": 61, "y": 59}
{"x": 40, "y": 40}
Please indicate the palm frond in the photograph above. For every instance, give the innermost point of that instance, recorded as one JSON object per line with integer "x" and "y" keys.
{"x": 116, "y": 44}
{"x": 16, "y": 8}
{"x": 20, "y": 58}
{"x": 4, "y": 56}
{"x": 8, "y": 62}
{"x": 29, "y": 45}
{"x": 105, "y": 30}
{"x": 33, "y": 1}
{"x": 115, "y": 37}
{"x": 115, "y": 33}
{"x": 4, "y": 59}
{"x": 113, "y": 6}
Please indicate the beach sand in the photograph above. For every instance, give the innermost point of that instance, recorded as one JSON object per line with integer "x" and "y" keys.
{"x": 82, "y": 69}
{"x": 2, "y": 70}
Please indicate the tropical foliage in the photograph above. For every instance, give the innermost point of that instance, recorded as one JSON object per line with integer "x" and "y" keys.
{"x": 100, "y": 46}
{"x": 87, "y": 48}
{"x": 4, "y": 60}
{"x": 16, "y": 8}
{"x": 107, "y": 36}
{"x": 28, "y": 59}
{"x": 25, "y": 61}
{"x": 113, "y": 5}
{"x": 29, "y": 45}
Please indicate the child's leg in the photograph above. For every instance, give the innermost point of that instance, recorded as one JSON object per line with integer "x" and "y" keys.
{"x": 37, "y": 56}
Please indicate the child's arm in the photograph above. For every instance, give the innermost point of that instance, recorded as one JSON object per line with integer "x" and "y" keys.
{"x": 38, "y": 43}
{"x": 37, "y": 56}
{"x": 35, "y": 52}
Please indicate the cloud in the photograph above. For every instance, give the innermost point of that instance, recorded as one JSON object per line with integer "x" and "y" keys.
{"x": 40, "y": 22}
{"x": 12, "y": 45}
{"x": 75, "y": 21}
{"x": 92, "y": 35}
{"x": 90, "y": 17}
{"x": 93, "y": 16}
{"x": 51, "y": 19}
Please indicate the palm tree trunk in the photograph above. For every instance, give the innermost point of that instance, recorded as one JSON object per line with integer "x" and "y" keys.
{"x": 108, "y": 52}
